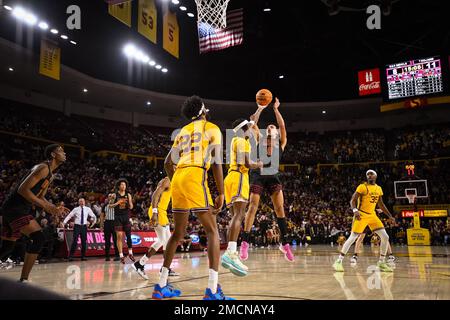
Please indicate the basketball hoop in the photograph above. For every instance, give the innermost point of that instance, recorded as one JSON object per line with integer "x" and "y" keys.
{"x": 411, "y": 198}
{"x": 213, "y": 12}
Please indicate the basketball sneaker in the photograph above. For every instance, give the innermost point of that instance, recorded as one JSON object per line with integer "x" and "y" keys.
{"x": 286, "y": 249}
{"x": 131, "y": 257}
{"x": 230, "y": 261}
{"x": 337, "y": 266}
{"x": 165, "y": 292}
{"x": 384, "y": 267}
{"x": 243, "y": 251}
{"x": 171, "y": 273}
{"x": 354, "y": 259}
{"x": 391, "y": 259}
{"x": 139, "y": 268}
{"x": 122, "y": 260}
{"x": 219, "y": 295}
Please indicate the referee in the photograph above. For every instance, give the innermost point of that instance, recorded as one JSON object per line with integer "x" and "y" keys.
{"x": 107, "y": 225}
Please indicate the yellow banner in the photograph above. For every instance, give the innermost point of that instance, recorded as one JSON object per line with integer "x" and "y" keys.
{"x": 147, "y": 20}
{"x": 171, "y": 34}
{"x": 435, "y": 213}
{"x": 418, "y": 237}
{"x": 121, "y": 12}
{"x": 50, "y": 60}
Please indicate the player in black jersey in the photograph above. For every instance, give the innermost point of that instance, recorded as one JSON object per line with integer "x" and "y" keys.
{"x": 16, "y": 210}
{"x": 268, "y": 178}
{"x": 122, "y": 206}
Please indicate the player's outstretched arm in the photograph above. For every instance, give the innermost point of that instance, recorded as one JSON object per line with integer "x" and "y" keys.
{"x": 281, "y": 124}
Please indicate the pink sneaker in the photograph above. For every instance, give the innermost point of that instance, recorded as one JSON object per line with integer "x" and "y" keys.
{"x": 286, "y": 249}
{"x": 243, "y": 252}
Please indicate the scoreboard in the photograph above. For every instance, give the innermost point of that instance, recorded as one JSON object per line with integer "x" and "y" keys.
{"x": 414, "y": 78}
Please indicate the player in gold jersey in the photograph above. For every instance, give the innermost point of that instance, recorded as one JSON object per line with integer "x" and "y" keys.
{"x": 197, "y": 147}
{"x": 364, "y": 201}
{"x": 158, "y": 217}
{"x": 237, "y": 190}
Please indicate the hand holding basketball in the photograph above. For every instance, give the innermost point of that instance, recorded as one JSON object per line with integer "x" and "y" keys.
{"x": 263, "y": 98}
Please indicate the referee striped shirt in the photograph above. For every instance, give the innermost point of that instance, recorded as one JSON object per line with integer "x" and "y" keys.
{"x": 109, "y": 212}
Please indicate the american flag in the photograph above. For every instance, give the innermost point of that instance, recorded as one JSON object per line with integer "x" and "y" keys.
{"x": 211, "y": 39}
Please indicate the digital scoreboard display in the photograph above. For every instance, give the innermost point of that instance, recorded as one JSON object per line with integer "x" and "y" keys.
{"x": 414, "y": 78}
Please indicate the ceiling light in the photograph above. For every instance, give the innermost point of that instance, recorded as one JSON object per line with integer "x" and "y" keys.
{"x": 164, "y": 70}
{"x": 85, "y": 90}
{"x": 64, "y": 37}
{"x": 7, "y": 8}
{"x": 54, "y": 31}
{"x": 175, "y": 1}
{"x": 11, "y": 69}
{"x": 183, "y": 8}
{"x": 43, "y": 25}
{"x": 190, "y": 14}
{"x": 72, "y": 42}
{"x": 158, "y": 66}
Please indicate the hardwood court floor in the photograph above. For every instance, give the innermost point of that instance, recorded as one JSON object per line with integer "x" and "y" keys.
{"x": 421, "y": 273}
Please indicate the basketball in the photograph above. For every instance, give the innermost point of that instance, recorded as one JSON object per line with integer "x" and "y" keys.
{"x": 263, "y": 97}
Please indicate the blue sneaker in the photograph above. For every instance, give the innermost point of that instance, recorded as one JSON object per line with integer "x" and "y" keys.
{"x": 230, "y": 260}
{"x": 165, "y": 292}
{"x": 219, "y": 295}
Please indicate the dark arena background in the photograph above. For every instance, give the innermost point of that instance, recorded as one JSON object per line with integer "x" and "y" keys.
{"x": 362, "y": 85}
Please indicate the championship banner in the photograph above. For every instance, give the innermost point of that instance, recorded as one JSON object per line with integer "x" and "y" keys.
{"x": 147, "y": 21}
{"x": 121, "y": 12}
{"x": 171, "y": 34}
{"x": 50, "y": 60}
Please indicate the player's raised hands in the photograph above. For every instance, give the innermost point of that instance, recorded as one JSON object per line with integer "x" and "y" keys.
{"x": 276, "y": 104}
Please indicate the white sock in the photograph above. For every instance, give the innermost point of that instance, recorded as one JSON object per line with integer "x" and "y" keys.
{"x": 130, "y": 251}
{"x": 232, "y": 246}
{"x": 163, "y": 277}
{"x": 382, "y": 259}
{"x": 341, "y": 257}
{"x": 213, "y": 280}
{"x": 143, "y": 260}
{"x": 121, "y": 255}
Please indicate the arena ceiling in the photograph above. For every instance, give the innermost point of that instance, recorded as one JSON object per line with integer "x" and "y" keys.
{"x": 318, "y": 54}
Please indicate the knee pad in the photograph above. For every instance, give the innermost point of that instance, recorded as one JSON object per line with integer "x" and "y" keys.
{"x": 37, "y": 240}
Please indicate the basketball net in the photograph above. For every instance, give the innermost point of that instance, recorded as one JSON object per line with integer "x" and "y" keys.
{"x": 213, "y": 12}
{"x": 411, "y": 198}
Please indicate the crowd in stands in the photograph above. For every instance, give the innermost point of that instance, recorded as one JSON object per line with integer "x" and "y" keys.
{"x": 330, "y": 147}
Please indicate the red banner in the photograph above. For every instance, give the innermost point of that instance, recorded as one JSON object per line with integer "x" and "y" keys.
{"x": 410, "y": 213}
{"x": 95, "y": 243}
{"x": 369, "y": 82}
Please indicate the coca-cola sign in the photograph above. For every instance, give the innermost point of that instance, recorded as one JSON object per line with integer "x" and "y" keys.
{"x": 369, "y": 82}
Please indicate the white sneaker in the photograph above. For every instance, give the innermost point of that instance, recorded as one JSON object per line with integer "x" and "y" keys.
{"x": 391, "y": 259}
{"x": 9, "y": 261}
{"x": 354, "y": 260}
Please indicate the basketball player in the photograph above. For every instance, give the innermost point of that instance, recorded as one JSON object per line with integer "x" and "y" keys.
{"x": 197, "y": 145}
{"x": 30, "y": 191}
{"x": 367, "y": 196}
{"x": 268, "y": 178}
{"x": 122, "y": 225}
{"x": 237, "y": 188}
{"x": 158, "y": 216}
